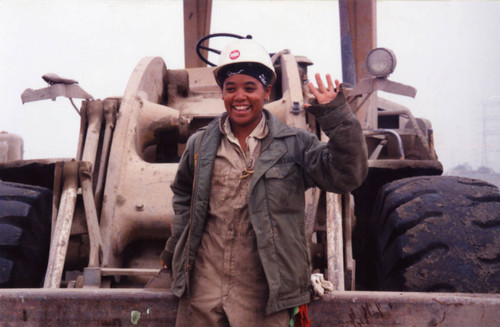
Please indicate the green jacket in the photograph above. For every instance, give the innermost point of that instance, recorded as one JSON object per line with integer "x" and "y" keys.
{"x": 292, "y": 160}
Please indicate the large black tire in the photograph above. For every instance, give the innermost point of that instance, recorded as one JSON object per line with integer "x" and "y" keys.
{"x": 437, "y": 234}
{"x": 25, "y": 224}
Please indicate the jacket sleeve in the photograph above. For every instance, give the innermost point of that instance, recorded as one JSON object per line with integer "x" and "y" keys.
{"x": 340, "y": 165}
{"x": 181, "y": 202}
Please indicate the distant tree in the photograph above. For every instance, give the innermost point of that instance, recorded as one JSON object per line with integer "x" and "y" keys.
{"x": 485, "y": 170}
{"x": 462, "y": 168}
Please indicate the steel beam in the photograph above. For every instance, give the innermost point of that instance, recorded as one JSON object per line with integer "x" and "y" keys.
{"x": 126, "y": 307}
{"x": 197, "y": 16}
{"x": 87, "y": 307}
{"x": 356, "y": 308}
{"x": 358, "y": 33}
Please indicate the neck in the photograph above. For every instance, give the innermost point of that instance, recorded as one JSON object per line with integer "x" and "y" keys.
{"x": 242, "y": 132}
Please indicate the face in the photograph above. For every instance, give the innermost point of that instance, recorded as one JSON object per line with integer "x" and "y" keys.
{"x": 244, "y": 98}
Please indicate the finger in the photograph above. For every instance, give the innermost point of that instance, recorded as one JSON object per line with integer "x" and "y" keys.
{"x": 321, "y": 86}
{"x": 312, "y": 89}
{"x": 337, "y": 85}
{"x": 330, "y": 82}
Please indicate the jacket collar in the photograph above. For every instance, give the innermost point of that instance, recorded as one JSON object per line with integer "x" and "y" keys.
{"x": 277, "y": 128}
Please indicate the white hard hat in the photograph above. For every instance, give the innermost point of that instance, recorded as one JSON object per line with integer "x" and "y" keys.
{"x": 242, "y": 51}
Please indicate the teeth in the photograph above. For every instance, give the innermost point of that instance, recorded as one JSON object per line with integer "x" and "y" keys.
{"x": 240, "y": 108}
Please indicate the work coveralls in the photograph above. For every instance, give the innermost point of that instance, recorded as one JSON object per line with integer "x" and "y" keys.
{"x": 291, "y": 160}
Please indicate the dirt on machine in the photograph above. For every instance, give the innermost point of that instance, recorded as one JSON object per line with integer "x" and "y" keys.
{"x": 408, "y": 247}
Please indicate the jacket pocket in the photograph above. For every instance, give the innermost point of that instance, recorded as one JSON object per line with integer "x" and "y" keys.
{"x": 284, "y": 190}
{"x": 282, "y": 171}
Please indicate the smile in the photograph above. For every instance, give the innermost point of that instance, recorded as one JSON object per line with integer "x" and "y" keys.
{"x": 241, "y": 108}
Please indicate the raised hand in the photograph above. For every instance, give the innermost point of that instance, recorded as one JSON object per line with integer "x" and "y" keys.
{"x": 324, "y": 94}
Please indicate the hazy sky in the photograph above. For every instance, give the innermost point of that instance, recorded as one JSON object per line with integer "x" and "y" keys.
{"x": 448, "y": 50}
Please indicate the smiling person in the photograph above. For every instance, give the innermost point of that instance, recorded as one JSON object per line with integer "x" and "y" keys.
{"x": 238, "y": 251}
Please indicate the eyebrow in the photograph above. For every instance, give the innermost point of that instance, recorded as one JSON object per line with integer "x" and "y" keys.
{"x": 245, "y": 84}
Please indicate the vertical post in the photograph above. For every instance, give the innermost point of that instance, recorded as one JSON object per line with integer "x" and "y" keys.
{"x": 358, "y": 28}
{"x": 83, "y": 130}
{"x": 334, "y": 241}
{"x": 59, "y": 243}
{"x": 197, "y": 16}
{"x": 346, "y": 46}
{"x": 110, "y": 108}
{"x": 349, "y": 222}
{"x": 85, "y": 173}
{"x": 94, "y": 118}
{"x": 56, "y": 197}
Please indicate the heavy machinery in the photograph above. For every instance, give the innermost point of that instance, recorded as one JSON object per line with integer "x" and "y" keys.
{"x": 80, "y": 238}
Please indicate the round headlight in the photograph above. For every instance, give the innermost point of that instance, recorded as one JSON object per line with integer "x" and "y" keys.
{"x": 380, "y": 62}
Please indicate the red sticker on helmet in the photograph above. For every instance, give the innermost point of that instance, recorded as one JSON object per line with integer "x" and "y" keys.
{"x": 234, "y": 54}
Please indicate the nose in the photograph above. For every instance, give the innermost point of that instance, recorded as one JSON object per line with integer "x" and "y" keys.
{"x": 239, "y": 95}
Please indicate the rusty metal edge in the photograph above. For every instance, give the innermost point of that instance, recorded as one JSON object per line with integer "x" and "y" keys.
{"x": 87, "y": 307}
{"x": 22, "y": 163}
{"x": 358, "y": 308}
{"x": 119, "y": 307}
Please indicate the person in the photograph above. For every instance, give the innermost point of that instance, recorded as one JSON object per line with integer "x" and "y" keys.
{"x": 238, "y": 253}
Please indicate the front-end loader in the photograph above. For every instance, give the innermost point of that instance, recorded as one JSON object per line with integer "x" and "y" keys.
{"x": 80, "y": 238}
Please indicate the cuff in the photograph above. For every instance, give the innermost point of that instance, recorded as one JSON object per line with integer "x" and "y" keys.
{"x": 332, "y": 114}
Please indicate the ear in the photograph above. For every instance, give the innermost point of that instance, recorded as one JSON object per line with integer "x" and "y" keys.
{"x": 267, "y": 92}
